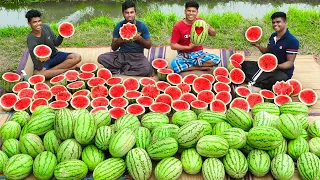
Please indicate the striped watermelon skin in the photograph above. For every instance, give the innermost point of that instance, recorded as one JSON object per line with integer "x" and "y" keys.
{"x": 21, "y": 117}
{"x": 92, "y": 156}
{"x": 84, "y": 128}
{"x": 264, "y": 138}
{"x": 41, "y": 124}
{"x": 51, "y": 142}
{"x": 42, "y": 110}
{"x": 10, "y": 129}
{"x": 213, "y": 168}
{"x": 239, "y": 118}
{"x": 304, "y": 134}
{"x": 235, "y": 164}
{"x": 314, "y": 129}
{"x": 76, "y": 112}
{"x": 101, "y": 118}
{"x": 235, "y": 137}
{"x": 304, "y": 121}
{"x": 294, "y": 108}
{"x": 11, "y": 147}
{"x": 259, "y": 162}
{"x": 143, "y": 137}
{"x": 3, "y": 160}
{"x": 112, "y": 168}
{"x": 182, "y": 117}
{"x": 64, "y": 124}
{"x": 69, "y": 149}
{"x": 308, "y": 166}
{"x": 199, "y": 38}
{"x": 189, "y": 134}
{"x": 11, "y": 171}
{"x": 314, "y": 145}
{"x": 72, "y": 169}
{"x": 163, "y": 131}
{"x": 44, "y": 165}
{"x": 212, "y": 146}
{"x": 139, "y": 164}
{"x": 263, "y": 118}
{"x": 127, "y": 121}
{"x": 162, "y": 148}
{"x": 191, "y": 161}
{"x": 161, "y": 170}
{"x": 152, "y": 120}
{"x": 23, "y": 131}
{"x": 220, "y": 127}
{"x": 297, "y": 147}
{"x": 289, "y": 126}
{"x": 270, "y": 108}
{"x": 282, "y": 167}
{"x": 122, "y": 142}
{"x": 103, "y": 136}
{"x": 207, "y": 129}
{"x": 246, "y": 149}
{"x": 31, "y": 144}
{"x": 281, "y": 149}
{"x": 212, "y": 117}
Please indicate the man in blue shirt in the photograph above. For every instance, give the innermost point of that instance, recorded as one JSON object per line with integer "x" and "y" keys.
{"x": 129, "y": 59}
{"x": 284, "y": 46}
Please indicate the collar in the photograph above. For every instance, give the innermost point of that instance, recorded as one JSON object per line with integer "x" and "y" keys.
{"x": 286, "y": 34}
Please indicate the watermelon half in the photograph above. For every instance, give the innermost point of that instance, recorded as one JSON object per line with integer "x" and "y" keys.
{"x": 131, "y": 84}
{"x": 95, "y": 81}
{"x": 179, "y": 105}
{"x": 26, "y": 92}
{"x": 206, "y": 96}
{"x": 128, "y": 31}
{"x": 160, "y": 108}
{"x": 198, "y": 106}
{"x": 254, "y": 98}
{"x": 83, "y": 92}
{"x": 98, "y": 109}
{"x": 11, "y": 80}
{"x": 59, "y": 104}
{"x": 42, "y": 86}
{"x": 79, "y": 102}
{"x": 185, "y": 88}
{"x": 145, "y": 101}
{"x": 188, "y": 97}
{"x": 117, "y": 90}
{"x": 34, "y": 79}
{"x": 104, "y": 73}
{"x": 282, "y": 88}
{"x": 113, "y": 81}
{"x": 210, "y": 77}
{"x": 223, "y": 79}
{"x": 174, "y": 78}
{"x": 308, "y": 97}
{"x": 268, "y": 62}
{"x": 8, "y": 100}
{"x": 85, "y": 76}
{"x": 237, "y": 76}
{"x": 150, "y": 90}
{"x": 43, "y": 94}
{"x": 237, "y": 57}
{"x": 297, "y": 86}
{"x": 136, "y": 109}
{"x": 66, "y": 29}
{"x": 57, "y": 89}
{"x": 224, "y": 96}
{"x": 76, "y": 86}
{"x": 188, "y": 79}
{"x": 220, "y": 71}
{"x": 71, "y": 75}
{"x": 131, "y": 96}
{"x": 267, "y": 95}
{"x": 20, "y": 85}
{"x": 162, "y": 85}
{"x": 38, "y": 102}
{"x": 234, "y": 64}
{"x": 220, "y": 86}
{"x": 200, "y": 84}
{"x": 253, "y": 34}
{"x": 218, "y": 106}
{"x": 89, "y": 67}
{"x": 42, "y": 52}
{"x": 240, "y": 103}
{"x": 174, "y": 92}
{"x": 63, "y": 96}
{"x": 117, "y": 112}
{"x": 58, "y": 80}
{"x": 242, "y": 91}
{"x": 164, "y": 98}
{"x": 99, "y": 101}
{"x": 159, "y": 63}
{"x": 144, "y": 81}
{"x": 282, "y": 99}
{"x": 163, "y": 73}
{"x": 99, "y": 91}
{"x": 119, "y": 102}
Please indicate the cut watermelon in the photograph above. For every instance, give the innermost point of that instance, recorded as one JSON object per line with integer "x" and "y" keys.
{"x": 144, "y": 81}
{"x": 223, "y": 79}
{"x": 268, "y": 62}
{"x": 218, "y": 106}
{"x": 83, "y": 92}
{"x": 57, "y": 89}
{"x": 42, "y": 52}
{"x": 76, "y": 86}
{"x": 282, "y": 99}
{"x": 38, "y": 102}
{"x": 188, "y": 97}
{"x": 99, "y": 108}
{"x": 117, "y": 112}
{"x": 200, "y": 84}
{"x": 136, "y": 109}
{"x": 131, "y": 84}
{"x": 253, "y": 34}
{"x": 174, "y": 92}
{"x": 27, "y": 92}
{"x": 159, "y": 63}
{"x": 58, "y": 80}
{"x": 89, "y": 67}
{"x": 79, "y": 102}
{"x": 85, "y": 76}
{"x": 234, "y": 64}
{"x": 43, "y": 94}
{"x": 220, "y": 86}
{"x": 145, "y": 101}
{"x": 63, "y": 96}
{"x": 114, "y": 81}
{"x": 20, "y": 85}
{"x": 42, "y": 86}
{"x": 66, "y": 29}
{"x": 95, "y": 81}
{"x": 240, "y": 103}
{"x": 99, "y": 91}
{"x": 254, "y": 98}
{"x": 188, "y": 79}
{"x": 179, "y": 105}
{"x": 128, "y": 31}
{"x": 210, "y": 77}
{"x": 117, "y": 90}
{"x": 174, "y": 78}
{"x": 237, "y": 76}
{"x": 224, "y": 96}
{"x": 198, "y": 106}
{"x": 160, "y": 108}
{"x": 162, "y": 85}
{"x": 164, "y": 98}
{"x": 131, "y": 96}
{"x": 267, "y": 95}
{"x": 150, "y": 90}
{"x": 163, "y": 73}
{"x": 34, "y": 79}
{"x": 119, "y": 102}
{"x": 185, "y": 88}
{"x": 71, "y": 75}
{"x": 59, "y": 104}
{"x": 104, "y": 73}
{"x": 206, "y": 96}
{"x": 282, "y": 88}
{"x": 237, "y": 57}
{"x": 11, "y": 80}
{"x": 242, "y": 91}
{"x": 220, "y": 71}
{"x": 297, "y": 86}
{"x": 100, "y": 101}
{"x": 308, "y": 97}
{"x": 8, "y": 100}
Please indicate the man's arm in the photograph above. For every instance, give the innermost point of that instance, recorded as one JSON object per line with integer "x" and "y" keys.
{"x": 262, "y": 49}
{"x": 50, "y": 73}
{"x": 146, "y": 43}
{"x": 289, "y": 63}
{"x": 178, "y": 47}
{"x": 116, "y": 43}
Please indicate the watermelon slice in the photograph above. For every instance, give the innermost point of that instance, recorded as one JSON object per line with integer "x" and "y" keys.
{"x": 268, "y": 62}
{"x": 27, "y": 92}
{"x": 218, "y": 106}
{"x": 42, "y": 52}
{"x": 128, "y": 31}
{"x": 131, "y": 96}
{"x": 174, "y": 92}
{"x": 210, "y": 77}
{"x": 242, "y": 91}
{"x": 131, "y": 84}
{"x": 34, "y": 79}
{"x": 160, "y": 108}
{"x": 136, "y": 109}
{"x": 188, "y": 97}
{"x": 99, "y": 91}
{"x": 206, "y": 96}
{"x": 113, "y": 81}
{"x": 223, "y": 79}
{"x": 237, "y": 76}
{"x": 99, "y": 101}
{"x": 297, "y": 86}
{"x": 117, "y": 112}
{"x": 162, "y": 85}
{"x": 63, "y": 96}
{"x": 198, "y": 106}
{"x": 144, "y": 81}
{"x": 20, "y": 85}
{"x": 159, "y": 63}
{"x": 42, "y": 86}
{"x": 164, "y": 98}
{"x": 220, "y": 86}
{"x": 71, "y": 75}
{"x": 254, "y": 98}
{"x": 80, "y": 102}
{"x": 267, "y": 95}
{"x": 83, "y": 92}
{"x": 200, "y": 84}
{"x": 66, "y": 29}
{"x": 43, "y": 94}
{"x": 76, "y": 86}
{"x": 145, "y": 101}
{"x": 178, "y": 105}
{"x": 59, "y": 104}
{"x": 57, "y": 89}
{"x": 174, "y": 78}
{"x": 220, "y": 71}
{"x": 58, "y": 80}
{"x": 117, "y": 90}
{"x": 253, "y": 34}
{"x": 224, "y": 96}
{"x": 308, "y": 97}
{"x": 95, "y": 81}
{"x": 282, "y": 88}
{"x": 99, "y": 108}
{"x": 150, "y": 90}
{"x": 237, "y": 57}
{"x": 119, "y": 102}
{"x": 163, "y": 73}
{"x": 233, "y": 64}
{"x": 240, "y": 103}
{"x": 104, "y": 73}
{"x": 282, "y": 99}
{"x": 85, "y": 76}
{"x": 11, "y": 80}
{"x": 8, "y": 100}
{"x": 185, "y": 88}
{"x": 89, "y": 67}
{"x": 38, "y": 102}
{"x": 188, "y": 79}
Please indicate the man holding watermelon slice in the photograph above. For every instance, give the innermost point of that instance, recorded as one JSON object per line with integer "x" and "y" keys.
{"x": 190, "y": 56}
{"x": 284, "y": 46}
{"x": 41, "y": 33}
{"x": 129, "y": 59}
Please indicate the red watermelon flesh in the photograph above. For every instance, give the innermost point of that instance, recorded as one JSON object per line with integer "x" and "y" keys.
{"x": 188, "y": 79}
{"x": 218, "y": 106}
{"x": 162, "y": 73}
{"x": 88, "y": 67}
{"x": 200, "y": 84}
{"x": 223, "y": 79}
{"x": 59, "y": 104}
{"x": 268, "y": 62}
{"x": 132, "y": 94}
{"x": 99, "y": 108}
{"x": 147, "y": 81}
{"x": 43, "y": 52}
{"x": 150, "y": 90}
{"x": 119, "y": 102}
{"x": 206, "y": 96}
{"x": 308, "y": 97}
{"x": 99, "y": 101}
{"x": 235, "y": 64}
{"x": 145, "y": 101}
{"x": 63, "y": 96}
{"x": 71, "y": 75}
{"x": 161, "y": 85}
{"x": 237, "y": 76}
{"x": 27, "y": 92}
{"x": 242, "y": 91}
{"x": 220, "y": 71}
{"x": 83, "y": 92}
{"x": 58, "y": 88}
{"x": 135, "y": 109}
{"x": 160, "y": 108}
{"x": 128, "y": 31}
{"x": 253, "y": 34}
{"x": 297, "y": 86}
{"x": 20, "y": 85}
{"x": 224, "y": 96}
{"x": 188, "y": 97}
{"x": 34, "y": 79}
{"x": 254, "y": 98}
{"x": 114, "y": 80}
{"x": 240, "y": 103}
{"x": 93, "y": 82}
{"x": 174, "y": 78}
{"x": 43, "y": 94}
{"x": 185, "y": 88}
{"x": 85, "y": 76}
{"x": 66, "y": 29}
{"x": 76, "y": 85}
{"x": 209, "y": 77}
{"x": 179, "y": 105}
{"x": 267, "y": 94}
{"x": 99, "y": 91}
{"x": 282, "y": 99}
{"x": 131, "y": 84}
{"x": 117, "y": 90}
{"x": 80, "y": 102}
{"x": 104, "y": 73}
{"x": 174, "y": 92}
{"x": 59, "y": 79}
{"x": 237, "y": 57}
{"x": 38, "y": 102}
{"x": 41, "y": 86}
{"x": 11, "y": 77}
{"x": 220, "y": 86}
{"x": 164, "y": 98}
{"x": 199, "y": 104}
{"x": 117, "y": 112}
{"x": 8, "y": 100}
{"x": 159, "y": 63}
{"x": 282, "y": 88}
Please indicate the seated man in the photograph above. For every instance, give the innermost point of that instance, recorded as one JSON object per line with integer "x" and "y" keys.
{"x": 130, "y": 59}
{"x": 59, "y": 62}
{"x": 284, "y": 46}
{"x": 190, "y": 56}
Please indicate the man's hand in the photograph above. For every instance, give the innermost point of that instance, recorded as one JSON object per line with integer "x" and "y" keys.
{"x": 138, "y": 37}
{"x": 191, "y": 45}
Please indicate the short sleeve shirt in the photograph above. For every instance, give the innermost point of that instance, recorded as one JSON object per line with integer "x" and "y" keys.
{"x": 132, "y": 47}
{"x": 287, "y": 44}
{"x": 181, "y": 35}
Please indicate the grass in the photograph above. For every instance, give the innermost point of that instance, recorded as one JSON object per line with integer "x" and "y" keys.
{"x": 230, "y": 27}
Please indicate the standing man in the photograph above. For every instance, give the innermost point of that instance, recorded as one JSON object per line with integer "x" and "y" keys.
{"x": 130, "y": 59}
{"x": 59, "y": 62}
{"x": 190, "y": 56}
{"x": 284, "y": 46}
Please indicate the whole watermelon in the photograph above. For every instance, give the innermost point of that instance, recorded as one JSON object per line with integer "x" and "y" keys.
{"x": 213, "y": 168}
{"x": 71, "y": 169}
{"x": 235, "y": 164}
{"x": 308, "y": 166}
{"x": 112, "y": 168}
{"x": 92, "y": 156}
{"x": 3, "y": 160}
{"x": 103, "y": 136}
{"x": 162, "y": 171}
{"x": 191, "y": 161}
{"x": 139, "y": 164}
{"x": 44, "y": 165}
{"x": 84, "y": 128}
{"x": 259, "y": 162}
{"x": 11, "y": 170}
{"x": 282, "y": 167}
{"x": 21, "y": 117}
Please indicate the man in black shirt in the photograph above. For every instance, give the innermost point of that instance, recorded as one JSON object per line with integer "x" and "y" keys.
{"x": 59, "y": 62}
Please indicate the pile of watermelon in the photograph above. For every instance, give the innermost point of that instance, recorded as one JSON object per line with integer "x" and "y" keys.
{"x": 91, "y": 121}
